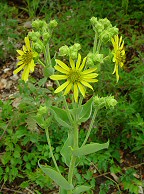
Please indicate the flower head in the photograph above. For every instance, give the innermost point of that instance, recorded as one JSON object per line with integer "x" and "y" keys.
{"x": 76, "y": 78}
{"x": 26, "y": 61}
{"x": 119, "y": 54}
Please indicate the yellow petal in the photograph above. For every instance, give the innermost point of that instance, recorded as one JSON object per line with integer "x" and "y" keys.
{"x": 58, "y": 68}
{"x": 89, "y": 70}
{"x": 86, "y": 84}
{"x": 19, "y": 63}
{"x": 27, "y": 42}
{"x": 81, "y": 88}
{"x": 72, "y": 63}
{"x": 78, "y": 61}
{"x": 31, "y": 66}
{"x": 68, "y": 88}
{"x": 35, "y": 54}
{"x": 24, "y": 48}
{"x": 19, "y": 69}
{"x": 63, "y": 65}
{"x": 114, "y": 69}
{"x": 75, "y": 92}
{"x": 91, "y": 75}
{"x": 83, "y": 64}
{"x": 20, "y": 52}
{"x": 120, "y": 40}
{"x": 91, "y": 80}
{"x": 25, "y": 73}
{"x": 20, "y": 57}
{"x": 63, "y": 86}
{"x": 58, "y": 77}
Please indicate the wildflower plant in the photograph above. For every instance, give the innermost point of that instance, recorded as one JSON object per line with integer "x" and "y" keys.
{"x": 76, "y": 77}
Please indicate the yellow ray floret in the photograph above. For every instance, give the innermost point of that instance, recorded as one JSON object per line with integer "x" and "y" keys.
{"x": 76, "y": 78}
{"x": 118, "y": 54}
{"x": 26, "y": 60}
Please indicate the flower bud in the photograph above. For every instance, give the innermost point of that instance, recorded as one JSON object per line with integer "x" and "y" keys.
{"x": 42, "y": 110}
{"x": 73, "y": 55}
{"x": 34, "y": 36}
{"x": 93, "y": 21}
{"x": 77, "y": 46}
{"x": 37, "y": 47}
{"x": 46, "y": 36}
{"x": 108, "y": 102}
{"x": 64, "y": 50}
{"x": 105, "y": 22}
{"x": 98, "y": 58}
{"x": 53, "y": 24}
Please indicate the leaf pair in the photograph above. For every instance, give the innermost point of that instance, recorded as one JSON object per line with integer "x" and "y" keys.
{"x": 80, "y": 114}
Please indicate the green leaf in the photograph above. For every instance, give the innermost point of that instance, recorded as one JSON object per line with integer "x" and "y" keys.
{"x": 66, "y": 150}
{"x": 62, "y": 191}
{"x": 80, "y": 189}
{"x": 42, "y": 81}
{"x": 57, "y": 177}
{"x": 61, "y": 117}
{"x": 90, "y": 148}
{"x": 86, "y": 111}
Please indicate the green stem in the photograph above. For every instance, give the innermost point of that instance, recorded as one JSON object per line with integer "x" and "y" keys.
{"x": 90, "y": 127}
{"x": 50, "y": 147}
{"x": 73, "y": 158}
{"x": 48, "y": 55}
{"x": 41, "y": 62}
{"x": 98, "y": 46}
{"x": 95, "y": 43}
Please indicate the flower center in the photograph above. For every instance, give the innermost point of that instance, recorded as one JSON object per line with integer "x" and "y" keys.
{"x": 74, "y": 76}
{"x": 120, "y": 56}
{"x": 27, "y": 57}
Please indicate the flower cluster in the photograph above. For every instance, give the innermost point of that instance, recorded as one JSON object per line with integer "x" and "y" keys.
{"x": 103, "y": 28}
{"x": 26, "y": 60}
{"x": 76, "y": 77}
{"x": 119, "y": 56}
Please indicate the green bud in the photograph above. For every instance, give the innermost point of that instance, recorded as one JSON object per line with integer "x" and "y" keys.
{"x": 77, "y": 46}
{"x": 35, "y": 24}
{"x": 93, "y": 21}
{"x": 64, "y": 50}
{"x": 98, "y": 58}
{"x": 101, "y": 102}
{"x": 89, "y": 62}
{"x": 73, "y": 50}
{"x": 34, "y": 36}
{"x": 46, "y": 36}
{"x": 42, "y": 110}
{"x": 73, "y": 55}
{"x": 105, "y": 22}
{"x": 53, "y": 24}
{"x": 37, "y": 47}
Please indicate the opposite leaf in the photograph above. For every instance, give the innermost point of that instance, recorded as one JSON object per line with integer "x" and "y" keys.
{"x": 56, "y": 177}
{"x": 80, "y": 189}
{"x": 86, "y": 111}
{"x": 90, "y": 148}
{"x": 61, "y": 117}
{"x": 66, "y": 150}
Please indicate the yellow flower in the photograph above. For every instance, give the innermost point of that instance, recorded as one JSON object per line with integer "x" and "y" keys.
{"x": 119, "y": 54}
{"x": 76, "y": 78}
{"x": 26, "y": 61}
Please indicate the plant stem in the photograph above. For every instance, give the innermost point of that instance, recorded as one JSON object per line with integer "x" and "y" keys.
{"x": 50, "y": 147}
{"x": 48, "y": 55}
{"x": 41, "y": 62}
{"x": 90, "y": 127}
{"x": 95, "y": 43}
{"x": 73, "y": 158}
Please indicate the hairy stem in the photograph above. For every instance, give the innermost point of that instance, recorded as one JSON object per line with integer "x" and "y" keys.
{"x": 51, "y": 152}
{"x": 90, "y": 127}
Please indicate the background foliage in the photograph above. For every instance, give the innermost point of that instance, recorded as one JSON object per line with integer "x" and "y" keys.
{"x": 23, "y": 143}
